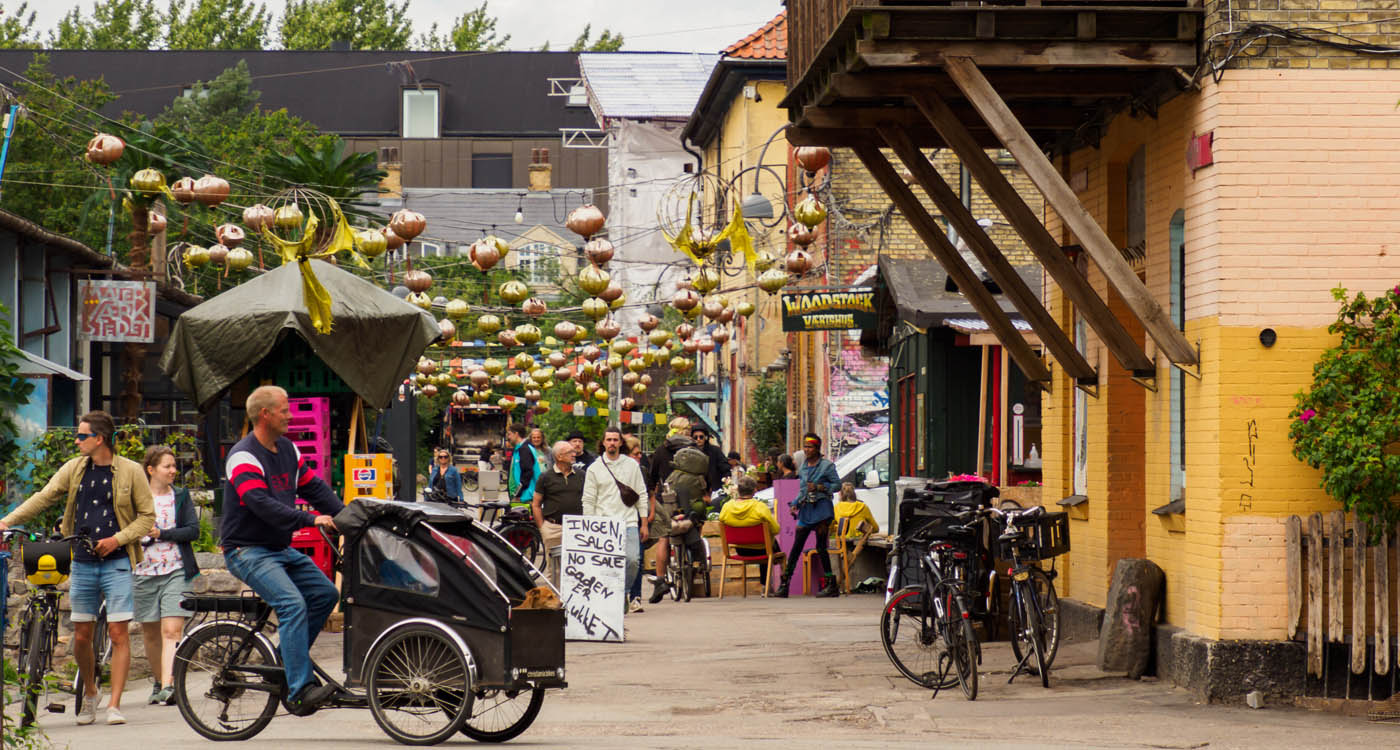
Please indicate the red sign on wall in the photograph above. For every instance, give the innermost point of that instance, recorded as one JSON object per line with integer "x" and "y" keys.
{"x": 122, "y": 311}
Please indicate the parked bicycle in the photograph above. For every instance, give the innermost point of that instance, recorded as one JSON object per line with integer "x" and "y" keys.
{"x": 1035, "y": 608}
{"x": 684, "y": 566}
{"x": 46, "y": 566}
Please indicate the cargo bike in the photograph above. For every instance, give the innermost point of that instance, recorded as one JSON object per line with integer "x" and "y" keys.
{"x": 436, "y": 638}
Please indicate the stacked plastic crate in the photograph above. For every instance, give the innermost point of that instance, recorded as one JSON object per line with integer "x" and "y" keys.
{"x": 310, "y": 431}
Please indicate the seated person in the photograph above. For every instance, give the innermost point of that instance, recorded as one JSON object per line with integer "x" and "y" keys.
{"x": 746, "y": 511}
{"x": 862, "y": 524}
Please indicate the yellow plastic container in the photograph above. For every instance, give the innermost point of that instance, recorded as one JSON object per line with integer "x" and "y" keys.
{"x": 369, "y": 475}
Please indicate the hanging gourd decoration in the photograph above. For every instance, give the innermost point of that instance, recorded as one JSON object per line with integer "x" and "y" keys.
{"x": 628, "y": 404}
{"x": 598, "y": 251}
{"x": 565, "y": 330}
{"x": 512, "y": 380}
{"x": 614, "y": 362}
{"x": 611, "y": 293}
{"x": 686, "y": 330}
{"x": 703, "y": 243}
{"x": 646, "y": 379}
{"x": 681, "y": 364}
{"x": 586, "y": 220}
{"x": 371, "y": 243}
{"x": 636, "y": 364}
{"x": 801, "y": 235}
{"x": 508, "y": 403}
{"x": 104, "y": 149}
{"x": 483, "y": 255}
{"x": 522, "y": 361}
{"x": 772, "y": 280}
{"x": 393, "y": 241}
{"x": 595, "y": 308}
{"x": 691, "y": 346}
{"x": 527, "y": 334}
{"x": 229, "y": 235}
{"x": 426, "y": 366}
{"x": 705, "y": 279}
{"x": 217, "y": 254}
{"x": 514, "y": 292}
{"x": 812, "y": 158}
{"x": 238, "y": 259}
{"x": 487, "y": 324}
{"x": 648, "y": 322}
{"x": 659, "y": 337}
{"x": 532, "y": 393}
{"x": 725, "y": 316}
{"x": 617, "y": 303}
{"x": 745, "y": 308}
{"x": 580, "y": 332}
{"x": 147, "y": 181}
{"x": 461, "y": 397}
{"x": 810, "y": 211}
{"x": 707, "y": 345}
{"x": 623, "y": 347}
{"x": 600, "y": 395}
{"x": 591, "y": 353}
{"x": 534, "y": 307}
{"x": 719, "y": 336}
{"x": 430, "y": 390}
{"x": 493, "y": 367}
{"x": 563, "y": 374}
{"x": 685, "y": 299}
{"x": 183, "y": 190}
{"x": 418, "y": 281}
{"x": 593, "y": 280}
{"x": 482, "y": 396}
{"x": 420, "y": 299}
{"x": 211, "y": 190}
{"x": 763, "y": 261}
{"x": 542, "y": 375}
{"x": 256, "y": 217}
{"x": 502, "y": 247}
{"x": 557, "y": 359}
{"x": 507, "y": 338}
{"x": 479, "y": 378}
{"x": 608, "y": 328}
{"x": 458, "y": 310}
{"x": 288, "y": 217}
{"x": 155, "y": 223}
{"x": 196, "y": 256}
{"x": 407, "y": 224}
{"x": 542, "y": 407}
{"x": 798, "y": 262}
{"x": 586, "y": 372}
{"x": 448, "y": 329}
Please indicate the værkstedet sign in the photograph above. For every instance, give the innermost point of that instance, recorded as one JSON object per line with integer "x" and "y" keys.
{"x": 594, "y": 578}
{"x": 829, "y": 309}
{"x": 122, "y": 311}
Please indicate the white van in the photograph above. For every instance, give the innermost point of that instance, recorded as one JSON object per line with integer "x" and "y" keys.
{"x": 868, "y": 468}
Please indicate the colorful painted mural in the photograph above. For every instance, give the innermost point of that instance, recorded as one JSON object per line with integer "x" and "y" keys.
{"x": 860, "y": 399}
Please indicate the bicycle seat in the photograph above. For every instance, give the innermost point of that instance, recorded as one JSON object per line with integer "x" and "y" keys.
{"x": 248, "y": 605}
{"x": 498, "y": 504}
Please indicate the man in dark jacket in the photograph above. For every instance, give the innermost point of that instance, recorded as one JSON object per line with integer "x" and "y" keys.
{"x": 719, "y": 463}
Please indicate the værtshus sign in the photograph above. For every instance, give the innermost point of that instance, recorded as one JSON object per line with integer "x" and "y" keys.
{"x": 829, "y": 309}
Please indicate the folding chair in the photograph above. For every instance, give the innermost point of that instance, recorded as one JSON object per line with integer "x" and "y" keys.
{"x": 752, "y": 537}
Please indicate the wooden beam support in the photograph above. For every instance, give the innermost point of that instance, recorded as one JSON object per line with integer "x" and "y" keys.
{"x": 1058, "y": 194}
{"x": 902, "y": 53}
{"x": 1027, "y": 302}
{"x": 943, "y": 250}
{"x": 848, "y": 137}
{"x": 1011, "y": 84}
{"x": 1038, "y": 117}
{"x": 1125, "y": 348}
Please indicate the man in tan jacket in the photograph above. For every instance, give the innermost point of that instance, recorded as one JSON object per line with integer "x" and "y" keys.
{"x": 109, "y": 499}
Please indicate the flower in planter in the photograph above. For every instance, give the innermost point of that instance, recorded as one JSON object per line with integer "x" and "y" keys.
{"x": 1306, "y": 415}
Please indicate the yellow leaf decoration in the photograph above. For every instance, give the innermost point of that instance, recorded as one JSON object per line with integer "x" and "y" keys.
{"x": 314, "y": 294}
{"x": 739, "y": 240}
{"x": 684, "y": 241}
{"x": 736, "y": 232}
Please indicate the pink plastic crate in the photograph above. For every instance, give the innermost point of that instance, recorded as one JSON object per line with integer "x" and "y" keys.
{"x": 317, "y": 456}
{"x": 310, "y": 415}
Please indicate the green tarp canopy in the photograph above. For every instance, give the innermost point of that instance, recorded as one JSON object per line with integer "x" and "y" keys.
{"x": 374, "y": 343}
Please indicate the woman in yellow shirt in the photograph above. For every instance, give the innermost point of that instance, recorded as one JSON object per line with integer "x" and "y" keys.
{"x": 857, "y": 511}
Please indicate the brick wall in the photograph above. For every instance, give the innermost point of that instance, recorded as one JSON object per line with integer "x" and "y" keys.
{"x": 1366, "y": 21}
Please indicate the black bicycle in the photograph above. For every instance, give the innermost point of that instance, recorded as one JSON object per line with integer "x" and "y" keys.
{"x": 926, "y": 629}
{"x": 47, "y": 564}
{"x": 684, "y": 566}
{"x": 1033, "y": 535}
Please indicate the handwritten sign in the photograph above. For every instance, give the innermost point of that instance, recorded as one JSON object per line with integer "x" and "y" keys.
{"x": 594, "y": 562}
{"x": 118, "y": 310}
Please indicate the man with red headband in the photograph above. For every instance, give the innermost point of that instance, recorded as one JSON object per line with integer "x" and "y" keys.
{"x": 818, "y": 480}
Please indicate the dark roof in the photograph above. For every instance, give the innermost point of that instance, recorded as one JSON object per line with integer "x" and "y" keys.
{"x": 916, "y": 291}
{"x": 350, "y": 93}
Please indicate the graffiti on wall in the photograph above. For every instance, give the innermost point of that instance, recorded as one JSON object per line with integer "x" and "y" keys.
{"x": 860, "y": 399}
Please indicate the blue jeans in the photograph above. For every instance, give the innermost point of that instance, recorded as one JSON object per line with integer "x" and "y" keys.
{"x": 299, "y": 593}
{"x": 634, "y": 590}
{"x": 634, "y": 561}
{"x": 91, "y": 582}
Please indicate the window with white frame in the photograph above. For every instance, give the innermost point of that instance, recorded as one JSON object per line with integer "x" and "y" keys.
{"x": 538, "y": 262}
{"x": 420, "y": 113}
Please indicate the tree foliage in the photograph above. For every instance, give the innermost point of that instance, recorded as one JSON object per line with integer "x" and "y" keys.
{"x": 113, "y": 24}
{"x": 767, "y": 416}
{"x": 474, "y": 31}
{"x": 218, "y": 24}
{"x": 606, "y": 41}
{"x": 1348, "y": 423}
{"x": 17, "y": 28}
{"x": 14, "y": 393}
{"x": 327, "y": 168}
{"x": 365, "y": 24}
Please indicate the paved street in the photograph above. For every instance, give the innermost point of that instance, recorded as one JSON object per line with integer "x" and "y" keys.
{"x": 798, "y": 673}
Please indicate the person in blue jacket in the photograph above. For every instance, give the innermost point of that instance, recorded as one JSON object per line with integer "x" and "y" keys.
{"x": 444, "y": 477}
{"x": 813, "y": 508}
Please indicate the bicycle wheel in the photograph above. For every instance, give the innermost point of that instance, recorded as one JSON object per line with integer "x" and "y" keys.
{"x": 677, "y": 569}
{"x": 527, "y": 539}
{"x": 420, "y": 687}
{"x": 1048, "y": 604}
{"x": 962, "y": 642}
{"x": 910, "y": 632}
{"x": 217, "y": 697}
{"x": 499, "y": 715}
{"x": 1030, "y": 631}
{"x": 35, "y": 663}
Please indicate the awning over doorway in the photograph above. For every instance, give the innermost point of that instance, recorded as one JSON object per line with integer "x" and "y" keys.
{"x": 913, "y": 291}
{"x": 31, "y": 364}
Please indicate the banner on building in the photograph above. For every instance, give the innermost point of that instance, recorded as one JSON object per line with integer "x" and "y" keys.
{"x": 593, "y": 583}
{"x": 829, "y": 309}
{"x": 123, "y": 311}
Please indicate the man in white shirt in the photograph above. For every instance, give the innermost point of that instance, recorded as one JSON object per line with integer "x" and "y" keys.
{"x": 602, "y": 496}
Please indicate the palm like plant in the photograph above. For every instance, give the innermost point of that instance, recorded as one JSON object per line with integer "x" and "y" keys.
{"x": 328, "y": 169}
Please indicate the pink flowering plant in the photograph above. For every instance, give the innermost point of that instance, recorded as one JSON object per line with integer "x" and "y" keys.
{"x": 1348, "y": 423}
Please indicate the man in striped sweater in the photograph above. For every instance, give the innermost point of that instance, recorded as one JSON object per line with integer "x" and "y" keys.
{"x": 265, "y": 475}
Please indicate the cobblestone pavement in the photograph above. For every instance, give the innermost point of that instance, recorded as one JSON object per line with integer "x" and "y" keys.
{"x": 797, "y": 673}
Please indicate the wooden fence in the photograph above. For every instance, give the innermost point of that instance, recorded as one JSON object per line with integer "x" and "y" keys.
{"x": 1327, "y": 557}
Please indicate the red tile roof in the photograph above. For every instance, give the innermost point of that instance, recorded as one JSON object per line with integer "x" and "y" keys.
{"x": 768, "y": 43}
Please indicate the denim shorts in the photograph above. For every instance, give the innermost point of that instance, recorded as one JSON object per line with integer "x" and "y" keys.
{"x": 91, "y": 582}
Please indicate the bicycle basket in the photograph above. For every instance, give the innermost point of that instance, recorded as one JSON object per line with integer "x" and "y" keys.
{"x": 1046, "y": 537}
{"x": 47, "y": 563}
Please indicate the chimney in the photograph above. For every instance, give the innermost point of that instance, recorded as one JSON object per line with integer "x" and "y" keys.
{"x": 540, "y": 171}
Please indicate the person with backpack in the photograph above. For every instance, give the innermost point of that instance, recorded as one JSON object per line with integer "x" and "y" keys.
{"x": 684, "y": 491}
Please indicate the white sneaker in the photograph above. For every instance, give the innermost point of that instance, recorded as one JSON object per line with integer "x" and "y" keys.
{"x": 114, "y": 716}
{"x": 635, "y": 606}
{"x": 88, "y": 713}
